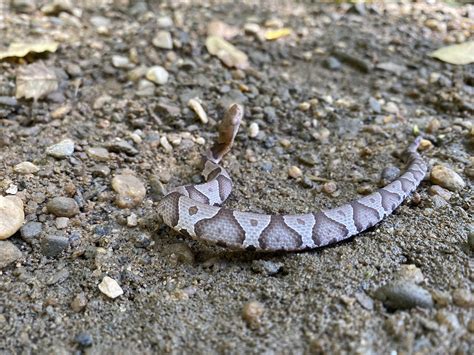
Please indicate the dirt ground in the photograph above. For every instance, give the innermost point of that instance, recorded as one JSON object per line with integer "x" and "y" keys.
{"x": 340, "y": 97}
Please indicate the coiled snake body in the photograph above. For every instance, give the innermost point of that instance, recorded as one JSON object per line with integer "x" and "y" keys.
{"x": 194, "y": 210}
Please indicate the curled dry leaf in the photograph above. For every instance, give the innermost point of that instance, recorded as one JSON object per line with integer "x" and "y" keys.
{"x": 19, "y": 49}
{"x": 35, "y": 80}
{"x": 271, "y": 35}
{"x": 456, "y": 54}
{"x": 226, "y": 52}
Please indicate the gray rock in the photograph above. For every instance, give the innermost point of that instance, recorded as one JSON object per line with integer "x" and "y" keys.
{"x": 267, "y": 267}
{"x": 332, "y": 63}
{"x": 375, "y": 105}
{"x": 120, "y": 146}
{"x": 30, "y": 231}
{"x": 364, "y": 300}
{"x": 62, "y": 149}
{"x": 389, "y": 174}
{"x": 403, "y": 295}
{"x": 270, "y": 114}
{"x": 307, "y": 159}
{"x": 63, "y": 207}
{"x": 8, "y": 253}
{"x": 53, "y": 245}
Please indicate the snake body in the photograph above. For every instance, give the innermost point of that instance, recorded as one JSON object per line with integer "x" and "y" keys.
{"x": 194, "y": 210}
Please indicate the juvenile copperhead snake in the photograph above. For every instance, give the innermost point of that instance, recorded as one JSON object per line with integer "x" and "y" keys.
{"x": 193, "y": 210}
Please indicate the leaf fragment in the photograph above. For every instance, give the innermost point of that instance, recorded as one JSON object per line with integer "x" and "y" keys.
{"x": 272, "y": 35}
{"x": 459, "y": 54}
{"x": 21, "y": 49}
{"x": 35, "y": 80}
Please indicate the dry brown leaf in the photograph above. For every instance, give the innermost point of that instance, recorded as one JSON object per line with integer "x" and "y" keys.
{"x": 35, "y": 80}
{"x": 226, "y": 52}
{"x": 20, "y": 49}
{"x": 456, "y": 54}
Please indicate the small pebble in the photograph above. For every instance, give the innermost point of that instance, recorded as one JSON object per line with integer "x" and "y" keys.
{"x": 253, "y": 130}
{"x": 142, "y": 240}
{"x": 252, "y": 313}
{"x": 163, "y": 40}
{"x": 9, "y": 253}
{"x": 158, "y": 75}
{"x": 180, "y": 253}
{"x": 391, "y": 107}
{"x": 389, "y": 174}
{"x": 25, "y": 168}
{"x": 294, "y": 172}
{"x": 84, "y": 340}
{"x": 404, "y": 295}
{"x": 410, "y": 272}
{"x": 30, "y": 231}
{"x": 196, "y": 106}
{"x": 166, "y": 144}
{"x": 375, "y": 105}
{"x": 130, "y": 190}
{"x": 100, "y": 170}
{"x": 11, "y": 216}
{"x": 79, "y": 302}
{"x": 61, "y": 222}
{"x": 364, "y": 300}
{"x": 53, "y": 245}
{"x": 119, "y": 61}
{"x": 329, "y": 187}
{"x": 110, "y": 287}
{"x": 332, "y": 63}
{"x": 98, "y": 153}
{"x": 304, "y": 106}
{"x": 63, "y": 207}
{"x": 462, "y": 297}
{"x": 62, "y": 149}
{"x": 438, "y": 190}
{"x": 446, "y": 178}
{"x": 425, "y": 144}
{"x": 164, "y": 21}
{"x": 120, "y": 146}
{"x": 267, "y": 267}
{"x": 132, "y": 220}
{"x": 433, "y": 126}
{"x": 307, "y": 159}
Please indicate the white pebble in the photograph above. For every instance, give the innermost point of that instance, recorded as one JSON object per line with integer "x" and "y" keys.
{"x": 119, "y": 61}
{"x": 200, "y": 141}
{"x": 158, "y": 75}
{"x": 166, "y": 144}
{"x": 196, "y": 106}
{"x": 254, "y": 129}
{"x": 163, "y": 40}
{"x": 294, "y": 172}
{"x": 132, "y": 220}
{"x": 110, "y": 287}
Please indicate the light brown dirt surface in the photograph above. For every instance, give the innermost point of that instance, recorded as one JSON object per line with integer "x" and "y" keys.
{"x": 339, "y": 97}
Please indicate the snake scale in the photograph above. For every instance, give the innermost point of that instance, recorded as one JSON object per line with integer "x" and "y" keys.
{"x": 194, "y": 210}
